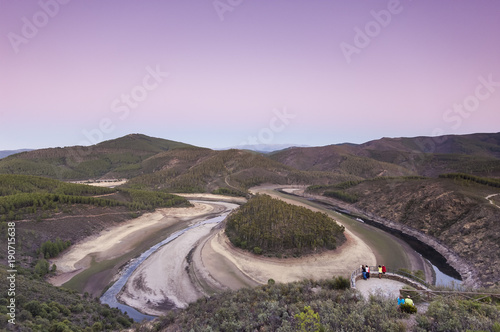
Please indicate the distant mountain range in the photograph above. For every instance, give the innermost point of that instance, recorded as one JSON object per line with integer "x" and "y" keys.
{"x": 428, "y": 156}
{"x": 174, "y": 166}
{"x": 6, "y": 153}
{"x": 265, "y": 148}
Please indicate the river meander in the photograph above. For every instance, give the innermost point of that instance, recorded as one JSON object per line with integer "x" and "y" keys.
{"x": 389, "y": 250}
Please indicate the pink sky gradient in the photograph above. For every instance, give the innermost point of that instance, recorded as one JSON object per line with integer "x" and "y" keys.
{"x": 225, "y": 77}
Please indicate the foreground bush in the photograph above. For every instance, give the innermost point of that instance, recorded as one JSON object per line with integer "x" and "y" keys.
{"x": 286, "y": 307}
{"x": 408, "y": 308}
{"x": 323, "y": 306}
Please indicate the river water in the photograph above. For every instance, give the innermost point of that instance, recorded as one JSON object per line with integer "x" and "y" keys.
{"x": 109, "y": 297}
{"x": 445, "y": 275}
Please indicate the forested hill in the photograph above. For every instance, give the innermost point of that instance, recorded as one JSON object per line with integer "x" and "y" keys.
{"x": 118, "y": 158}
{"x": 206, "y": 170}
{"x": 269, "y": 226}
{"x": 24, "y": 196}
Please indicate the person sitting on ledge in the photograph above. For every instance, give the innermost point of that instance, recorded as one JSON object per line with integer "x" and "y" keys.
{"x": 409, "y": 300}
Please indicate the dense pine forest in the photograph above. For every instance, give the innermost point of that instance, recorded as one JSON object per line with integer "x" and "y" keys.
{"x": 272, "y": 227}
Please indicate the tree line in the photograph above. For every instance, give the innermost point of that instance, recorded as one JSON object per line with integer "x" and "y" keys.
{"x": 467, "y": 177}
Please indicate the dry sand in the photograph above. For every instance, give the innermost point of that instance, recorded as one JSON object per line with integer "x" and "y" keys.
{"x": 162, "y": 281}
{"x": 341, "y": 261}
{"x": 102, "y": 183}
{"x": 212, "y": 197}
{"x": 115, "y": 241}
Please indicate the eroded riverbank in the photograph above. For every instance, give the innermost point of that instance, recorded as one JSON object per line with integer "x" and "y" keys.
{"x": 90, "y": 265}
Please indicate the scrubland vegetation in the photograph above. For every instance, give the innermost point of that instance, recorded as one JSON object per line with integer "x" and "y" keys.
{"x": 42, "y": 307}
{"x": 324, "y": 305}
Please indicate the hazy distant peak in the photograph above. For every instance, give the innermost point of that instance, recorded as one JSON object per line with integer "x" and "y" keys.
{"x": 265, "y": 147}
{"x": 6, "y": 153}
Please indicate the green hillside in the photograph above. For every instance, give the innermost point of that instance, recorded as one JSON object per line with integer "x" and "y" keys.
{"x": 342, "y": 159}
{"x": 156, "y": 163}
{"x": 272, "y": 227}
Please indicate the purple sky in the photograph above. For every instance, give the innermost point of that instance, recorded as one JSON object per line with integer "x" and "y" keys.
{"x": 240, "y": 71}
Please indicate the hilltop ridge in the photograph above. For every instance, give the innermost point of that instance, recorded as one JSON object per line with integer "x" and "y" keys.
{"x": 174, "y": 166}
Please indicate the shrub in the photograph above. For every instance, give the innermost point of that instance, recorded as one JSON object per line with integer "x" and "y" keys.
{"x": 342, "y": 195}
{"x": 341, "y": 283}
{"x": 257, "y": 251}
{"x": 42, "y": 267}
{"x": 309, "y": 320}
{"x": 408, "y": 308}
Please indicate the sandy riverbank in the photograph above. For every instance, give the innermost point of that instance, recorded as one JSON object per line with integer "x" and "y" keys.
{"x": 162, "y": 281}
{"x": 114, "y": 242}
{"x": 111, "y": 183}
{"x": 341, "y": 261}
{"x": 215, "y": 198}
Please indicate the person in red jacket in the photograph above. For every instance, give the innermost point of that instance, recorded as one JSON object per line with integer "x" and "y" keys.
{"x": 384, "y": 270}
